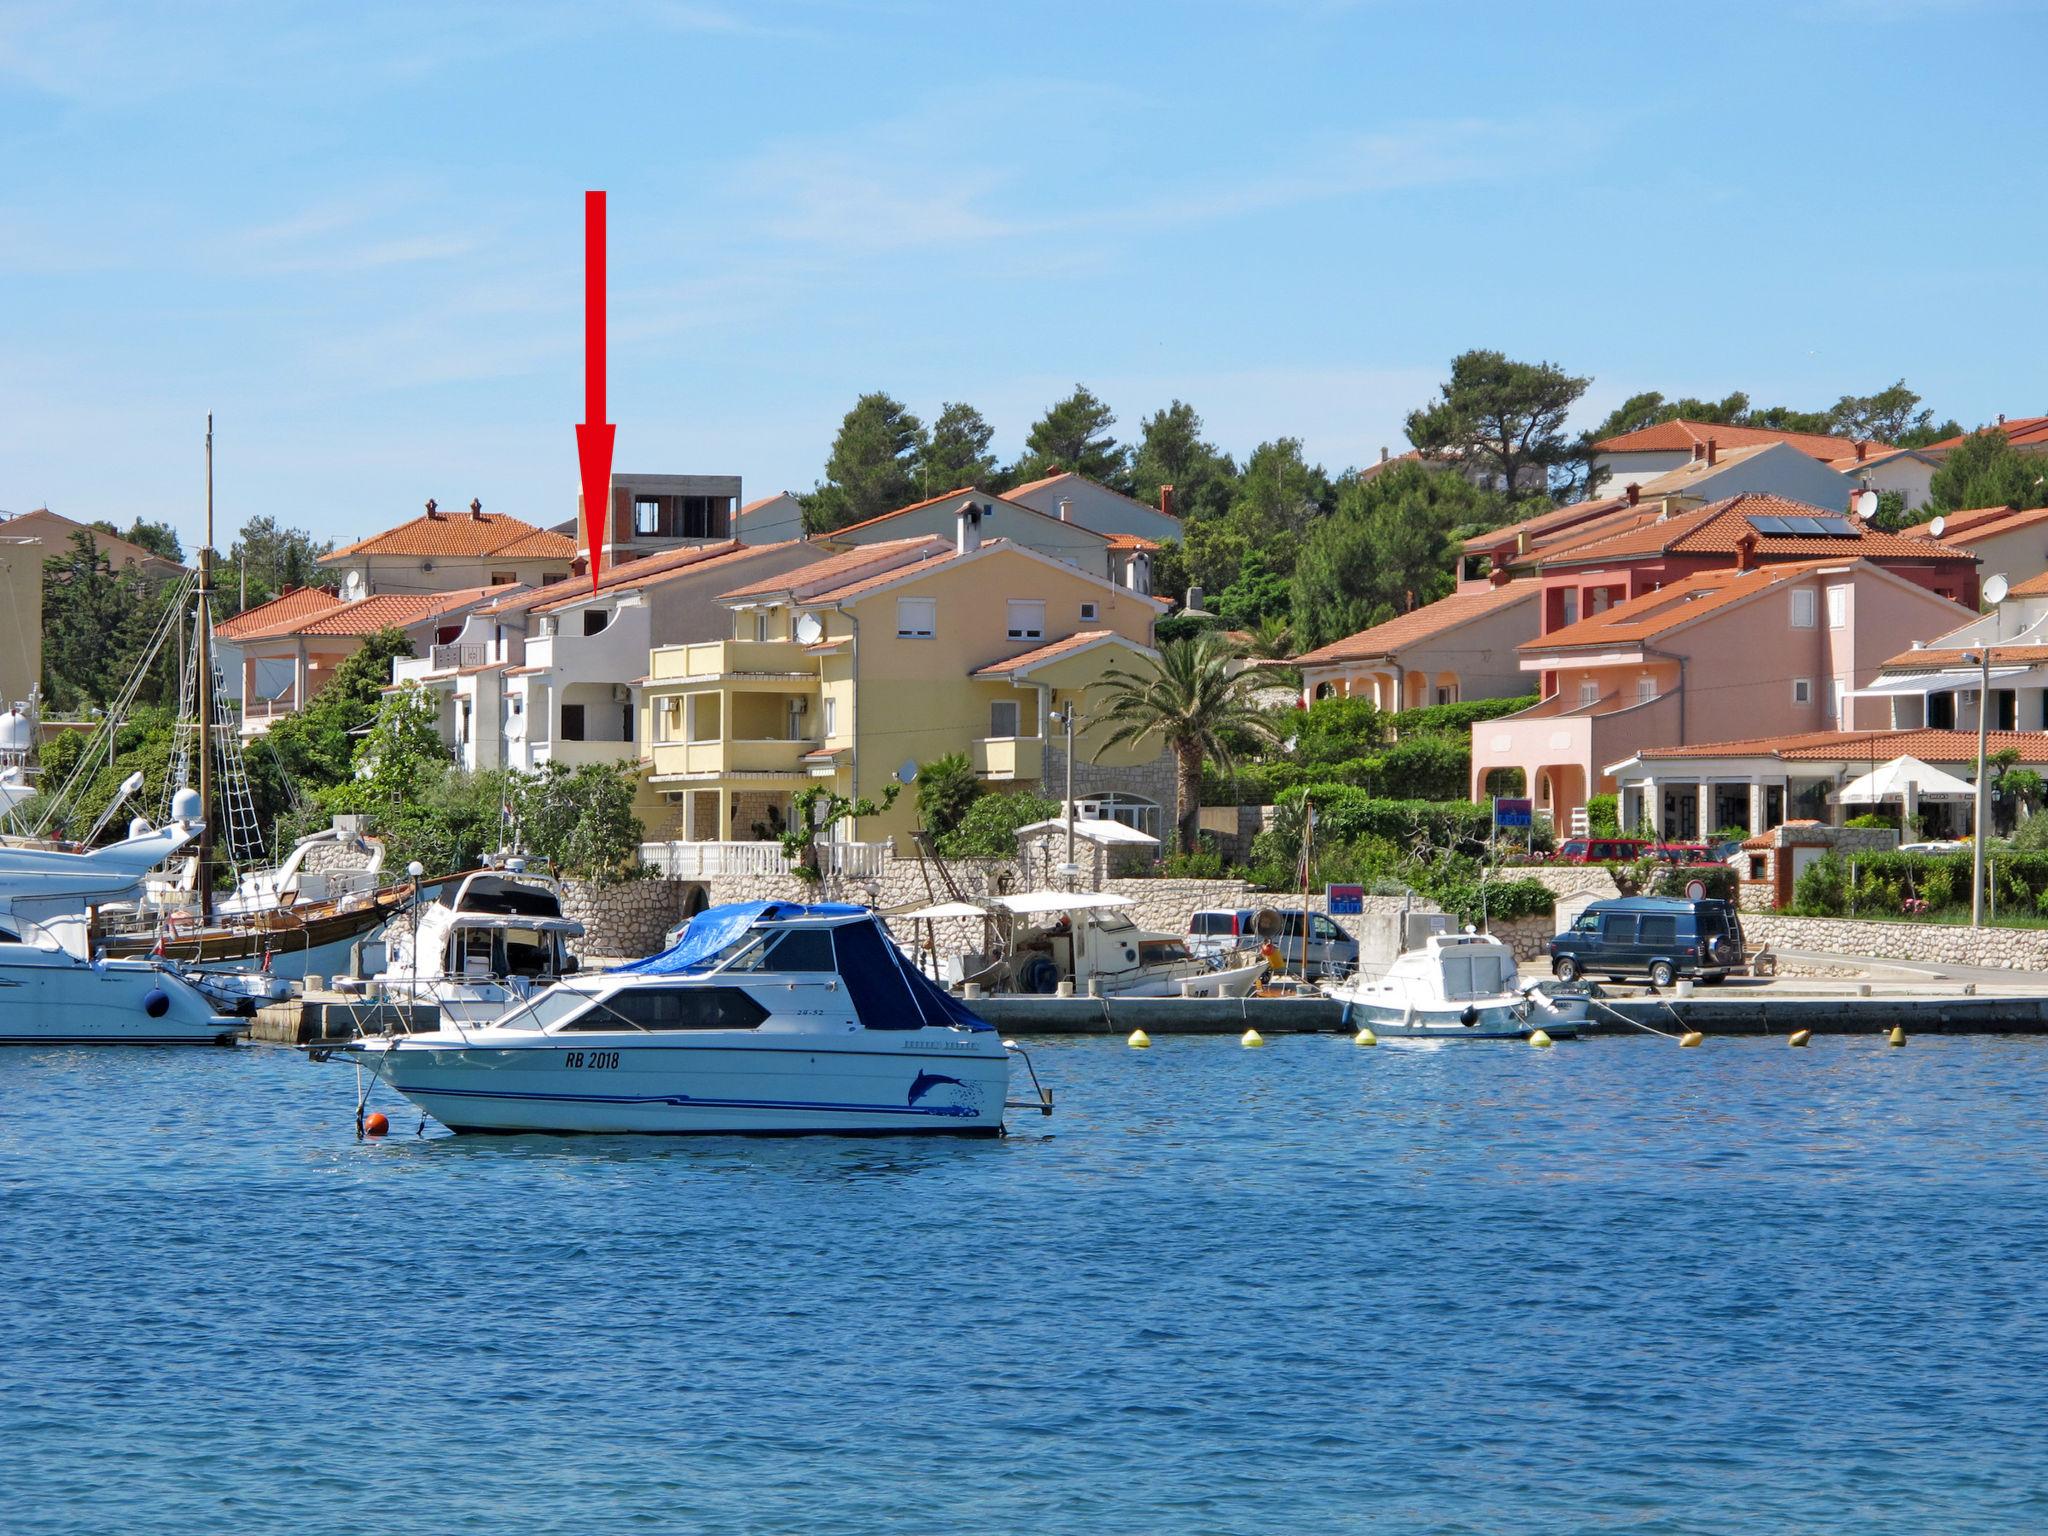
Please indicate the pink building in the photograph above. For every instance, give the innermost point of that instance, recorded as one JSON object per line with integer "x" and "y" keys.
{"x": 1458, "y": 647}
{"x": 1719, "y": 655}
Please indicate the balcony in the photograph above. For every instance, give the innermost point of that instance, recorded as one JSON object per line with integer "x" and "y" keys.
{"x": 712, "y": 861}
{"x": 781, "y": 663}
{"x": 1009, "y": 757}
{"x": 468, "y": 653}
{"x": 717, "y": 759}
{"x": 259, "y": 715}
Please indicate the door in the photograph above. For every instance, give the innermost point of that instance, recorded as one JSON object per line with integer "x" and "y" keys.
{"x": 1617, "y": 950}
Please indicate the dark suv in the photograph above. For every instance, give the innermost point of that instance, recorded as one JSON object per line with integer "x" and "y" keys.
{"x": 1654, "y": 936}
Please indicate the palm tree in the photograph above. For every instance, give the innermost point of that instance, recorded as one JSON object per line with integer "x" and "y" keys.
{"x": 1199, "y": 701}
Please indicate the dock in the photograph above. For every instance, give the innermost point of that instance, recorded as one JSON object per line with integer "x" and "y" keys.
{"x": 317, "y": 1016}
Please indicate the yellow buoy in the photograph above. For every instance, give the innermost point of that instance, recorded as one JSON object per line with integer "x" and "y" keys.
{"x": 1253, "y": 1037}
{"x": 1539, "y": 1037}
{"x": 1139, "y": 1040}
{"x": 1898, "y": 1034}
{"x": 1691, "y": 1038}
{"x": 1799, "y": 1037}
{"x": 1365, "y": 1036}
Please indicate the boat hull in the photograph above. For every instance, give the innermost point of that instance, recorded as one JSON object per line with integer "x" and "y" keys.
{"x": 313, "y": 944}
{"x": 1506, "y": 1019}
{"x": 51, "y": 998}
{"x": 698, "y": 1086}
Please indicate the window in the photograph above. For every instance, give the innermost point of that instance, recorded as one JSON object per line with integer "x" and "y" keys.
{"x": 625, "y": 722}
{"x": 761, "y": 625}
{"x": 673, "y": 1008}
{"x": 1618, "y": 927}
{"x": 1131, "y": 810}
{"x": 1027, "y": 619}
{"x": 646, "y": 515}
{"x": 1802, "y": 690}
{"x": 1570, "y": 609}
{"x": 572, "y": 722}
{"x": 462, "y": 729}
{"x": 1660, "y": 931}
{"x": 831, "y": 717}
{"x": 801, "y": 949}
{"x": 518, "y": 704}
{"x": 1802, "y": 608}
{"x": 1002, "y": 718}
{"x": 503, "y": 578}
{"x": 917, "y": 618}
{"x": 1646, "y": 689}
{"x": 595, "y": 620}
{"x": 1838, "y": 607}
{"x": 1589, "y": 693}
{"x": 1087, "y": 612}
{"x": 1757, "y": 866}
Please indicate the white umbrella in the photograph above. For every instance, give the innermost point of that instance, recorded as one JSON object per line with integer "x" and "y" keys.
{"x": 1905, "y": 778}
{"x": 943, "y": 909}
{"x": 1099, "y": 832}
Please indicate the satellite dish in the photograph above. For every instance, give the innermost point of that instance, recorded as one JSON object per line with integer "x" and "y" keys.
{"x": 1866, "y": 503}
{"x": 354, "y": 585}
{"x": 808, "y": 630}
{"x": 1996, "y": 588}
{"x": 1938, "y": 527}
{"x": 907, "y": 772}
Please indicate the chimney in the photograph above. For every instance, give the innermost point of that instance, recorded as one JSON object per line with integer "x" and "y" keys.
{"x": 1383, "y": 453}
{"x": 1067, "y": 509}
{"x": 1713, "y": 450}
{"x": 2001, "y": 418}
{"x": 1699, "y": 450}
{"x": 433, "y": 510}
{"x": 1635, "y": 493}
{"x": 967, "y": 528}
{"x": 1138, "y": 572}
{"x": 1194, "y": 602}
{"x": 1862, "y": 451}
{"x": 1745, "y": 552}
{"x": 1497, "y": 577}
{"x": 476, "y": 508}
{"x": 1166, "y": 499}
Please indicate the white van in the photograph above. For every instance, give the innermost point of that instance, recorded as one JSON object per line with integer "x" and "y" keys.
{"x": 1331, "y": 951}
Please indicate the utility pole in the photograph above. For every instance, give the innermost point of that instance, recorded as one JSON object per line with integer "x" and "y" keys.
{"x": 1977, "y": 829}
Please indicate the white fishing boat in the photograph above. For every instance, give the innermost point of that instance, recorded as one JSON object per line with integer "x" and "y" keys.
{"x": 765, "y": 1017}
{"x": 488, "y": 942}
{"x": 1457, "y": 986}
{"x": 1089, "y": 939}
{"x": 54, "y": 989}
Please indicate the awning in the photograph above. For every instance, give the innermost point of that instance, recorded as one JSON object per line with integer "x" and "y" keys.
{"x": 1905, "y": 778}
{"x": 1061, "y": 901}
{"x": 1925, "y": 683}
{"x": 943, "y": 909}
{"x": 1099, "y": 830}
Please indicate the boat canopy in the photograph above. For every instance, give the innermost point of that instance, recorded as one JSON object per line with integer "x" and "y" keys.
{"x": 1061, "y": 901}
{"x": 886, "y": 990}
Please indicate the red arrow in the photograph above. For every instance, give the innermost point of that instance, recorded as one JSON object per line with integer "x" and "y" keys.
{"x": 594, "y": 433}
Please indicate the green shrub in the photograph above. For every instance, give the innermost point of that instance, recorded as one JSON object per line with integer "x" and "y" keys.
{"x": 989, "y": 829}
{"x": 1460, "y": 716}
{"x": 1426, "y": 766}
{"x": 946, "y": 789}
{"x": 1603, "y": 815}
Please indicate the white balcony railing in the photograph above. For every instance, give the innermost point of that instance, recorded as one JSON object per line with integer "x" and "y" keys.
{"x": 713, "y": 861}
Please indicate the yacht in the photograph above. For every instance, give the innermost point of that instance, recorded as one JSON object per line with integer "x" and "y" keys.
{"x": 1456, "y": 986}
{"x": 764, "y": 1017}
{"x": 488, "y": 942}
{"x": 54, "y": 989}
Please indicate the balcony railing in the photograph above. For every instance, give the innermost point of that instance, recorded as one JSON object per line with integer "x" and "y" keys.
{"x": 725, "y": 658}
{"x": 713, "y": 861}
{"x": 261, "y": 712}
{"x": 713, "y": 758}
{"x": 467, "y": 653}
{"x": 1010, "y": 757}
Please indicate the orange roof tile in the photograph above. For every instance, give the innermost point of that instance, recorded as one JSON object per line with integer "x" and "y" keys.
{"x": 883, "y": 578}
{"x": 810, "y": 579}
{"x": 1420, "y": 624}
{"x": 1682, "y": 602}
{"x": 462, "y": 533}
{"x": 1053, "y": 651}
{"x": 637, "y": 575}
{"x": 1936, "y": 658}
{"x": 1930, "y": 746}
{"x": 1067, "y": 474}
{"x": 1716, "y": 529}
{"x": 2020, "y": 432}
{"x": 393, "y": 611}
{"x": 1678, "y": 436}
{"x": 289, "y": 607}
{"x": 1961, "y": 529}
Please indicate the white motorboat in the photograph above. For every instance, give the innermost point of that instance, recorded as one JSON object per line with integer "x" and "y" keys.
{"x": 1087, "y": 938}
{"x": 53, "y": 989}
{"x": 1457, "y": 986}
{"x": 765, "y": 1017}
{"x": 488, "y": 942}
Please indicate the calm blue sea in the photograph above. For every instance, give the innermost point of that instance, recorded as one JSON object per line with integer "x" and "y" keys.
{"x": 1613, "y": 1286}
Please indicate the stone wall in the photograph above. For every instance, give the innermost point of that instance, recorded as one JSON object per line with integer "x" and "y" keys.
{"x": 626, "y": 920}
{"x": 2019, "y": 949}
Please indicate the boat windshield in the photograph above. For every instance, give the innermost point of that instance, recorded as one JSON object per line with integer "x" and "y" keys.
{"x": 1112, "y": 921}
{"x": 793, "y": 949}
{"x": 547, "y": 1009}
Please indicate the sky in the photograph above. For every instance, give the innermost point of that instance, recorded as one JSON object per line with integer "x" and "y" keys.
{"x": 353, "y": 233}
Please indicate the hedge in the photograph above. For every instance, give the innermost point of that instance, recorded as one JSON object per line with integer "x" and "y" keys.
{"x": 1457, "y": 717}
{"x": 1895, "y": 884}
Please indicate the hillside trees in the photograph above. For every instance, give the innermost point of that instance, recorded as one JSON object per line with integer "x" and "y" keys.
{"x": 872, "y": 468}
{"x": 1390, "y": 546}
{"x": 1506, "y": 420}
{"x": 1985, "y": 470}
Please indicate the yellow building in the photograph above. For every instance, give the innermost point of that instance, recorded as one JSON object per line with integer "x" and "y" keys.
{"x": 846, "y": 671}
{"x": 21, "y": 617}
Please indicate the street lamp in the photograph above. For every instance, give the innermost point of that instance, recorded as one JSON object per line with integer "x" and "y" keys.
{"x": 1994, "y": 593}
{"x": 1065, "y": 717}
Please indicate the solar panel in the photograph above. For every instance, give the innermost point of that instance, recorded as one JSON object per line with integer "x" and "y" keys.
{"x": 1807, "y": 525}
{"x": 1840, "y": 527}
{"x": 1769, "y": 525}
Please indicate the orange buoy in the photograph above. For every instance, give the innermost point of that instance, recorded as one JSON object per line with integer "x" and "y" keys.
{"x": 376, "y": 1124}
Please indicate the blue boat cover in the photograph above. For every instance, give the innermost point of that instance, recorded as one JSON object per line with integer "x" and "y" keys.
{"x": 887, "y": 991}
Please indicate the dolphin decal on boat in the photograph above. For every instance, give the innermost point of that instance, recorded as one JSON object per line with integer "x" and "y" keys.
{"x": 925, "y": 1082}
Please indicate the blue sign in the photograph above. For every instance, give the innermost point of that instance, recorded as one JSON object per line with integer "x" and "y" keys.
{"x": 1513, "y": 813}
{"x": 1345, "y": 900}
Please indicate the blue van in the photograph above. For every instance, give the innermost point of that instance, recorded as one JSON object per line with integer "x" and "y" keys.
{"x": 1660, "y": 937}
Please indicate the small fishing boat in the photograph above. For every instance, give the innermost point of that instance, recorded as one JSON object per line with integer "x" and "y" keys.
{"x": 54, "y": 988}
{"x": 1085, "y": 937}
{"x": 1457, "y": 986}
{"x": 765, "y": 1017}
{"x": 489, "y": 941}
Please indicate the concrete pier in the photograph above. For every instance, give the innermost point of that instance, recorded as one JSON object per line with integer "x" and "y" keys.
{"x": 319, "y": 1016}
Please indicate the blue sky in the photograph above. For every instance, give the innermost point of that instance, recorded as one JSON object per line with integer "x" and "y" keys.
{"x": 353, "y": 232}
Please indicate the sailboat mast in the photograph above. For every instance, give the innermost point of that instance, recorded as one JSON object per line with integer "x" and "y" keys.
{"x": 203, "y": 656}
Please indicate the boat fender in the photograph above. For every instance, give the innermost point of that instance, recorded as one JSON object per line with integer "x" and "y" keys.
{"x": 156, "y": 1002}
{"x": 1469, "y": 1017}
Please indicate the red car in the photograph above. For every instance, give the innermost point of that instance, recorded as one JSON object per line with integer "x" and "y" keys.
{"x": 1599, "y": 850}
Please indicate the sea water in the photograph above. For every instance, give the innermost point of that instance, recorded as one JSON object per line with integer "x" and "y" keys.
{"x": 1610, "y": 1286}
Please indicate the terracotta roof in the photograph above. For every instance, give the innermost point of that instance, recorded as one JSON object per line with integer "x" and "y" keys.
{"x": 2033, "y": 586}
{"x": 2021, "y": 432}
{"x": 1875, "y": 746}
{"x": 1960, "y": 529}
{"x": 1556, "y": 520}
{"x": 883, "y": 578}
{"x": 1420, "y": 624}
{"x": 1129, "y": 541}
{"x": 287, "y": 608}
{"x": 1054, "y": 650}
{"x": 1681, "y": 602}
{"x": 461, "y": 533}
{"x": 1873, "y": 454}
{"x": 1681, "y": 437}
{"x": 807, "y": 581}
{"x": 637, "y": 575}
{"x": 1716, "y": 528}
{"x": 395, "y": 611}
{"x": 1939, "y": 658}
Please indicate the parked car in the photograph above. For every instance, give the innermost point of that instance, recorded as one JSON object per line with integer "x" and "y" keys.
{"x": 1331, "y": 951}
{"x": 1938, "y": 846}
{"x": 1655, "y": 936}
{"x": 1686, "y": 853}
{"x": 1599, "y": 850}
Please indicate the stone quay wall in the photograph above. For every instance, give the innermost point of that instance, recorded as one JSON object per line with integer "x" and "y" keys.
{"x": 2017, "y": 949}
{"x": 624, "y": 920}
